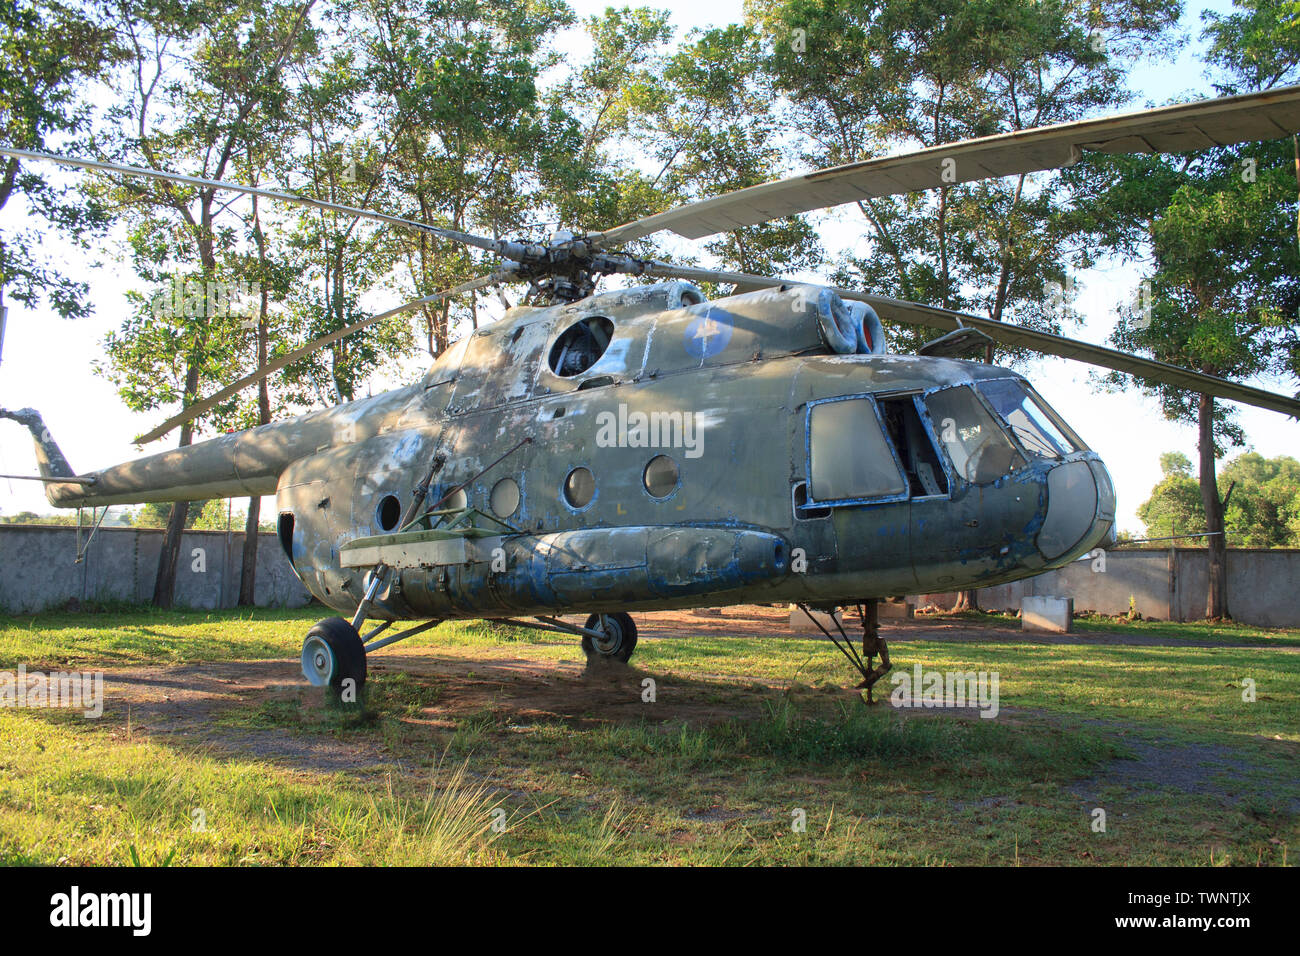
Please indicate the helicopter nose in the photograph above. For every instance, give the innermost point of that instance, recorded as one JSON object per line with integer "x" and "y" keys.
{"x": 1080, "y": 509}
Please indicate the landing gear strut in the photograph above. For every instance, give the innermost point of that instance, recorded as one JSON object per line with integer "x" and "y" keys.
{"x": 873, "y": 645}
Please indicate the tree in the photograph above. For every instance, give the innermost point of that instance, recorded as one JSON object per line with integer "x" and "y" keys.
{"x": 272, "y": 276}
{"x": 1175, "y": 463}
{"x": 464, "y": 130}
{"x": 864, "y": 78}
{"x": 1223, "y": 293}
{"x": 1263, "y": 507}
{"x": 712, "y": 128}
{"x": 1174, "y": 507}
{"x": 1258, "y": 47}
{"x": 200, "y": 71}
{"x": 31, "y": 517}
{"x": 156, "y": 514}
{"x": 49, "y": 52}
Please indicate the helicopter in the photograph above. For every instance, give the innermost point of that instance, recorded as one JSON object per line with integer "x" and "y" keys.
{"x": 646, "y": 448}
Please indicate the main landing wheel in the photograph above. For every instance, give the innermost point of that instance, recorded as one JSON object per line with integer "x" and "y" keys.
{"x": 619, "y": 640}
{"x": 332, "y": 655}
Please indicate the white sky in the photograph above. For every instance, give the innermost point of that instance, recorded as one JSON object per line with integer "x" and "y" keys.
{"x": 47, "y": 361}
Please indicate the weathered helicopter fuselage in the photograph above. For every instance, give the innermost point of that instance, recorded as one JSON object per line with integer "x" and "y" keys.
{"x": 681, "y": 453}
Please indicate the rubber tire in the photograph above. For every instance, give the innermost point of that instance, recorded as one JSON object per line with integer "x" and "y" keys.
{"x": 625, "y": 648}
{"x": 348, "y": 649}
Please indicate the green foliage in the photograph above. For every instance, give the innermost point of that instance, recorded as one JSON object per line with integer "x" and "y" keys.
{"x": 863, "y": 79}
{"x": 707, "y": 121}
{"x": 466, "y": 138}
{"x": 1258, "y": 45}
{"x": 1174, "y": 508}
{"x": 1224, "y": 291}
{"x": 31, "y": 517}
{"x": 154, "y": 514}
{"x": 1262, "y": 509}
{"x": 1175, "y": 463}
{"x": 49, "y": 52}
{"x": 203, "y": 90}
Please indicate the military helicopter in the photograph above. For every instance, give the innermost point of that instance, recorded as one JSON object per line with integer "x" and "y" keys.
{"x": 645, "y": 448}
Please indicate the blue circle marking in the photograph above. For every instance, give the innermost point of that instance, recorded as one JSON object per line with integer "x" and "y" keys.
{"x": 708, "y": 335}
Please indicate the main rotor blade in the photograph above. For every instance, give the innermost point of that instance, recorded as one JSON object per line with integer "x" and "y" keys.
{"x": 508, "y": 249}
{"x": 1016, "y": 336}
{"x": 216, "y": 398}
{"x": 1169, "y": 129}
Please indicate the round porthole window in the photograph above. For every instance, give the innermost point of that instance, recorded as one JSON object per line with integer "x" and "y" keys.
{"x": 579, "y": 488}
{"x": 459, "y": 501}
{"x": 388, "y": 513}
{"x": 660, "y": 477}
{"x": 581, "y": 345}
{"x": 504, "y": 500}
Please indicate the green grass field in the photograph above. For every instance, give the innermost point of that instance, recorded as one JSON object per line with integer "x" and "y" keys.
{"x": 483, "y": 744}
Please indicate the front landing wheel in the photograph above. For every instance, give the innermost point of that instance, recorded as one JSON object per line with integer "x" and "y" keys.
{"x": 619, "y": 640}
{"x": 334, "y": 656}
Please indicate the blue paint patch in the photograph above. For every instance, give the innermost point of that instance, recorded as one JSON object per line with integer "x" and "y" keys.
{"x": 708, "y": 334}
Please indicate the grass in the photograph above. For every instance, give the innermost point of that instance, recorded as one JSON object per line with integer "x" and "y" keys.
{"x": 1090, "y": 623}
{"x": 754, "y": 753}
{"x": 147, "y": 635}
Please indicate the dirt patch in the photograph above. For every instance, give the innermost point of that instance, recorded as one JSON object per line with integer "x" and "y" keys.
{"x": 250, "y": 708}
{"x": 530, "y": 691}
{"x": 185, "y": 703}
{"x": 764, "y": 621}
{"x": 1220, "y": 773}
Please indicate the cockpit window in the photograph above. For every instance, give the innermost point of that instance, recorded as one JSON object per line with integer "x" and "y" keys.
{"x": 1028, "y": 418}
{"x": 851, "y": 460}
{"x": 978, "y": 447}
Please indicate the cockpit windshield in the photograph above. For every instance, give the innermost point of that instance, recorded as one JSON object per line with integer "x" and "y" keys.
{"x": 978, "y": 447}
{"x": 1028, "y": 418}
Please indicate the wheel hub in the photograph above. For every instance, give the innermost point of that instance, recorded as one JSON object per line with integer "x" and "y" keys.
{"x": 317, "y": 662}
{"x": 612, "y": 639}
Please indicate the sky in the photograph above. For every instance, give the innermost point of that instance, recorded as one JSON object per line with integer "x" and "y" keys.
{"x": 47, "y": 361}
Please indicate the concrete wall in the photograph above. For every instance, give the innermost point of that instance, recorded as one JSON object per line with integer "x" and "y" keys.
{"x": 1263, "y": 586}
{"x": 38, "y": 569}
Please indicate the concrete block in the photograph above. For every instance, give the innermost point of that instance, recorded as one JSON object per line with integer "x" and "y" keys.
{"x": 904, "y": 610}
{"x": 1053, "y": 614}
{"x": 801, "y": 623}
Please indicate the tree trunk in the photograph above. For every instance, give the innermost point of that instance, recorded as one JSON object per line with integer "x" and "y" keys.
{"x": 1216, "y": 600}
{"x": 248, "y": 563}
{"x": 164, "y": 585}
{"x": 967, "y": 601}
